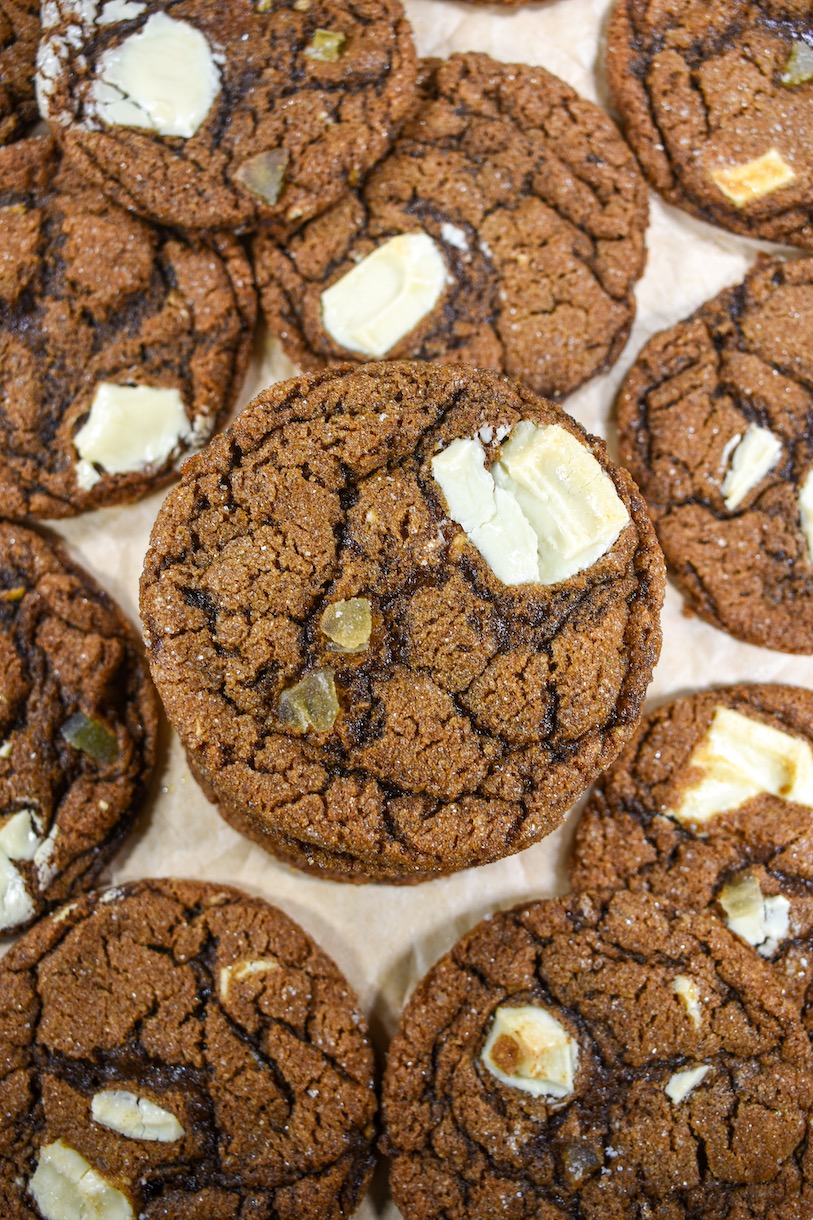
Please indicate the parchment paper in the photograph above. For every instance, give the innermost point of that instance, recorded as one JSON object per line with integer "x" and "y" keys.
{"x": 384, "y": 938}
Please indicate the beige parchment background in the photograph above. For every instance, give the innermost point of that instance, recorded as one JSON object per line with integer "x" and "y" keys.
{"x": 384, "y": 938}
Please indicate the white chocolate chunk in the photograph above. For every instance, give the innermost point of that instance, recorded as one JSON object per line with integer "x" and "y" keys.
{"x": 689, "y": 993}
{"x": 242, "y": 970}
{"x": 164, "y": 79}
{"x": 386, "y": 295}
{"x": 43, "y": 862}
{"x": 741, "y": 758}
{"x": 799, "y": 68}
{"x": 528, "y": 1049}
{"x": 492, "y": 519}
{"x": 753, "y": 179}
{"x": 19, "y": 839}
{"x": 66, "y": 1187}
{"x": 756, "y": 454}
{"x": 136, "y": 1117}
{"x": 15, "y": 902}
{"x": 683, "y": 1083}
{"x": 545, "y": 511}
{"x": 762, "y": 921}
{"x": 131, "y": 428}
{"x": 120, "y": 10}
{"x": 569, "y": 500}
{"x": 5, "y": 749}
{"x": 806, "y": 511}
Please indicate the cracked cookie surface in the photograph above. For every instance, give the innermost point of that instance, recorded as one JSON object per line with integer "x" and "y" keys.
{"x": 95, "y": 302}
{"x": 753, "y": 839}
{"x": 293, "y": 102}
{"x": 212, "y": 1008}
{"x": 19, "y": 34}
{"x": 78, "y": 722}
{"x": 717, "y": 103}
{"x": 714, "y": 423}
{"x": 537, "y": 214}
{"x": 668, "y": 1110}
{"x": 473, "y": 713}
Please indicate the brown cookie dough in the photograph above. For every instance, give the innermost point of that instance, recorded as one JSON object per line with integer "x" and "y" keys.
{"x": 714, "y": 810}
{"x": 78, "y": 720}
{"x": 122, "y": 345}
{"x": 19, "y": 34}
{"x": 225, "y": 113}
{"x": 449, "y": 718}
{"x": 549, "y": 1067}
{"x": 192, "y": 1052}
{"x": 717, "y": 102}
{"x": 714, "y": 423}
{"x": 525, "y": 217}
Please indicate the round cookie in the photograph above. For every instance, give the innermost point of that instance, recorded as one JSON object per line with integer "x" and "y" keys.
{"x": 504, "y": 230}
{"x": 714, "y": 422}
{"x": 78, "y": 723}
{"x": 19, "y": 35}
{"x": 227, "y": 114}
{"x": 717, "y": 103}
{"x": 549, "y": 1066}
{"x": 711, "y": 806}
{"x": 346, "y": 668}
{"x": 180, "y": 1049}
{"x": 121, "y": 345}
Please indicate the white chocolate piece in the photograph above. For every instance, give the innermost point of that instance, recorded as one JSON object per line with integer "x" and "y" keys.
{"x": 544, "y": 1057}
{"x": 136, "y": 1117}
{"x": 741, "y": 758}
{"x": 492, "y": 519}
{"x": 130, "y": 428}
{"x": 19, "y": 839}
{"x": 572, "y": 504}
{"x": 545, "y": 511}
{"x": 386, "y": 295}
{"x": 753, "y": 179}
{"x": 163, "y": 78}
{"x": 689, "y": 993}
{"x": 806, "y": 511}
{"x": 756, "y": 454}
{"x": 763, "y": 922}
{"x": 242, "y": 970}
{"x": 119, "y": 10}
{"x": 43, "y": 862}
{"x": 799, "y": 68}
{"x": 683, "y": 1083}
{"x": 16, "y": 905}
{"x": 66, "y": 1187}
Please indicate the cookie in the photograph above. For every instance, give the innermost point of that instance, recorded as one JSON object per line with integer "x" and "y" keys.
{"x": 19, "y": 35}
{"x": 714, "y": 423}
{"x": 226, "y": 114}
{"x": 717, "y": 103}
{"x": 710, "y": 806}
{"x": 78, "y": 722}
{"x": 180, "y": 1049}
{"x": 122, "y": 345}
{"x": 504, "y": 230}
{"x": 366, "y": 646}
{"x": 599, "y": 1058}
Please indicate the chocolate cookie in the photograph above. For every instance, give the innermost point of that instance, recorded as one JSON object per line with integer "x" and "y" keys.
{"x": 226, "y": 113}
{"x": 121, "y": 345}
{"x": 717, "y": 102}
{"x": 504, "y": 230}
{"x": 350, "y": 670}
{"x": 19, "y": 34}
{"x": 78, "y": 720}
{"x": 178, "y": 1049}
{"x": 714, "y": 423}
{"x": 710, "y": 806}
{"x": 599, "y": 1059}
